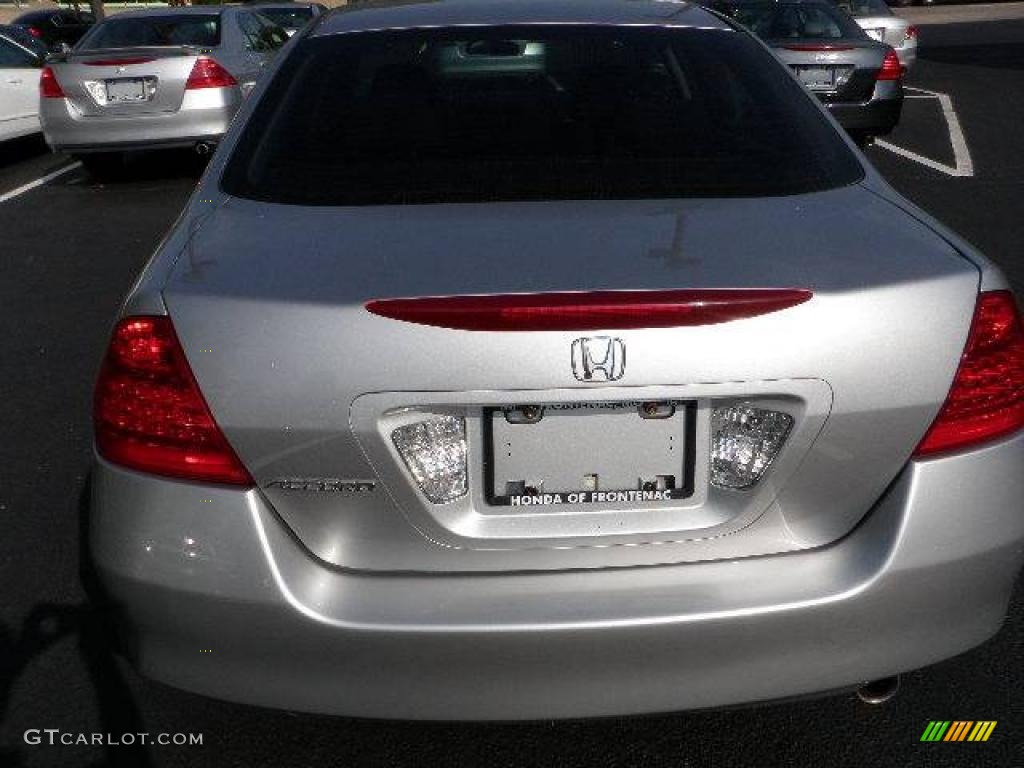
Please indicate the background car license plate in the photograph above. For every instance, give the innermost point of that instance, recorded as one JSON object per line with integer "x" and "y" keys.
{"x": 629, "y": 453}
{"x": 817, "y": 78}
{"x": 128, "y": 89}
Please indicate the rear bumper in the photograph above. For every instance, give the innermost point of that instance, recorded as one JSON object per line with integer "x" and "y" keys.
{"x": 875, "y": 117}
{"x": 204, "y": 116}
{"x": 217, "y": 597}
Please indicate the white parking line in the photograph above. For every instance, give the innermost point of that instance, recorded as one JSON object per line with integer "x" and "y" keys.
{"x": 961, "y": 154}
{"x": 38, "y": 182}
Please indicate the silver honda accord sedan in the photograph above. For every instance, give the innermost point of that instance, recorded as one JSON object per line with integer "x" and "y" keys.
{"x": 154, "y": 78}
{"x": 531, "y": 359}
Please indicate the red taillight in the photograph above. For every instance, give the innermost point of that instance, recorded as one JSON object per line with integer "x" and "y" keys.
{"x": 117, "y": 62}
{"x": 910, "y": 33}
{"x": 987, "y": 398}
{"x": 588, "y": 311}
{"x": 35, "y": 31}
{"x": 49, "y": 88}
{"x": 891, "y": 67}
{"x": 207, "y": 73}
{"x": 148, "y": 411}
{"x": 817, "y": 47}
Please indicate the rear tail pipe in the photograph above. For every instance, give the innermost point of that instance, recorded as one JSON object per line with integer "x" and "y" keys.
{"x": 879, "y": 691}
{"x": 203, "y": 149}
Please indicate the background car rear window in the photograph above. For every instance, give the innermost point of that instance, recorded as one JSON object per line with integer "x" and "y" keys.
{"x": 288, "y": 18}
{"x": 793, "y": 21}
{"x": 865, "y": 7}
{"x": 14, "y": 56}
{"x": 189, "y": 29}
{"x": 533, "y": 114}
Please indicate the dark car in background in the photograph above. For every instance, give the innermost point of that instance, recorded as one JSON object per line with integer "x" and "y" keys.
{"x": 859, "y": 79}
{"x": 24, "y": 38}
{"x": 56, "y": 25}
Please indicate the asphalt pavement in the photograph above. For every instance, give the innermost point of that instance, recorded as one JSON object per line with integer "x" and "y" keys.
{"x": 69, "y": 250}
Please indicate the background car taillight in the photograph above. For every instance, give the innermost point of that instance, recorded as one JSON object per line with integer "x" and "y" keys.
{"x": 987, "y": 398}
{"x": 34, "y": 31}
{"x": 149, "y": 414}
{"x": 891, "y": 67}
{"x": 49, "y": 88}
{"x": 207, "y": 73}
{"x": 911, "y": 33}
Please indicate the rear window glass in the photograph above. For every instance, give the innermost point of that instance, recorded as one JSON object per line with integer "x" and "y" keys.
{"x": 25, "y": 40}
{"x": 793, "y": 21}
{"x": 533, "y": 114}
{"x": 199, "y": 30}
{"x": 865, "y": 7}
{"x": 289, "y": 18}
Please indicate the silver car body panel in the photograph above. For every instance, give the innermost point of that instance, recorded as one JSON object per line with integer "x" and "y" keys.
{"x": 847, "y": 568}
{"x": 202, "y": 567}
{"x": 891, "y": 30}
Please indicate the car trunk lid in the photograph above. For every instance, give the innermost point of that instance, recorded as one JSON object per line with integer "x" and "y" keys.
{"x": 126, "y": 81}
{"x": 269, "y": 302}
{"x": 841, "y": 71}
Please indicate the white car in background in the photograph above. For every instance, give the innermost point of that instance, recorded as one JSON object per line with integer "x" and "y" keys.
{"x": 20, "y": 62}
{"x": 877, "y": 19}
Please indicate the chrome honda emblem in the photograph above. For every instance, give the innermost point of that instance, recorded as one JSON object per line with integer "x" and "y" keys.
{"x": 598, "y": 358}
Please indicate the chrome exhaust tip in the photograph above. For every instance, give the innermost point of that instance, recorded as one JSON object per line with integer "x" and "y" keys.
{"x": 203, "y": 149}
{"x": 879, "y": 691}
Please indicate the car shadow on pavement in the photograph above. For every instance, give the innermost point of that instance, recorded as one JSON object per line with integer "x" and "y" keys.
{"x": 15, "y": 151}
{"x": 89, "y": 622}
{"x": 153, "y": 165}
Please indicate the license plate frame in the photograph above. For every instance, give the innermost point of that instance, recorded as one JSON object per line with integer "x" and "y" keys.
{"x": 591, "y": 455}
{"x": 127, "y": 90}
{"x": 819, "y": 77}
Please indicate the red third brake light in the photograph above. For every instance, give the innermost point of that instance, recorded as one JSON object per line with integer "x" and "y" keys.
{"x": 891, "y": 67}
{"x": 49, "y": 88}
{"x": 589, "y": 311}
{"x": 149, "y": 414}
{"x": 118, "y": 62}
{"x": 987, "y": 398}
{"x": 817, "y": 47}
{"x": 207, "y": 73}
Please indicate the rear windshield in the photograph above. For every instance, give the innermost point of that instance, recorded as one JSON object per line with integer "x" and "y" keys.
{"x": 201, "y": 30}
{"x": 289, "y": 18}
{"x": 793, "y": 21}
{"x": 433, "y": 116}
{"x": 865, "y": 7}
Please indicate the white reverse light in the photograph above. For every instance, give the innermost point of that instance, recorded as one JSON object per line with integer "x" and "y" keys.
{"x": 744, "y": 440}
{"x": 434, "y": 450}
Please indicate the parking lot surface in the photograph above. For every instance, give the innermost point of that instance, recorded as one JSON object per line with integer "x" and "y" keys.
{"x": 70, "y": 248}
